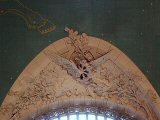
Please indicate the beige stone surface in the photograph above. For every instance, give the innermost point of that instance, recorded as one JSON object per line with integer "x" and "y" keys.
{"x": 55, "y": 78}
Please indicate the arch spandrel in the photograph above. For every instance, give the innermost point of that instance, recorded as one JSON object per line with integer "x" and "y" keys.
{"x": 46, "y": 81}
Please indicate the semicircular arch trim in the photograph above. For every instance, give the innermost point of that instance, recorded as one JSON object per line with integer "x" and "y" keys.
{"x": 81, "y": 67}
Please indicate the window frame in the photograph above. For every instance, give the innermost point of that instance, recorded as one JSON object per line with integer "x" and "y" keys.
{"x": 84, "y": 109}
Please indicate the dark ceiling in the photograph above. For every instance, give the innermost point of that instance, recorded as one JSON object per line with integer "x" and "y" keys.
{"x": 131, "y": 25}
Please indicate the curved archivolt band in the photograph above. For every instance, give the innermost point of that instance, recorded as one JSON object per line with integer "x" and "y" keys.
{"x": 81, "y": 69}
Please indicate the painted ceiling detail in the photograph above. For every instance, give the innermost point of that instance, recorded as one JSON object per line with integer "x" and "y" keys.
{"x": 81, "y": 68}
{"x": 33, "y": 19}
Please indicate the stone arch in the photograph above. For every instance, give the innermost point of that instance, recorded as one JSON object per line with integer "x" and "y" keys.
{"x": 115, "y": 80}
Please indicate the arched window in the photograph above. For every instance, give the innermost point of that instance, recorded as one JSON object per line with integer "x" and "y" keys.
{"x": 84, "y": 113}
{"x": 81, "y": 116}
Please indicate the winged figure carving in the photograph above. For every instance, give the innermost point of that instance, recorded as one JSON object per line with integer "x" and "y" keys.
{"x": 81, "y": 70}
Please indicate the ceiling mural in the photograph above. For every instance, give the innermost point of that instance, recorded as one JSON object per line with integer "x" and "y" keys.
{"x": 81, "y": 69}
{"x": 33, "y": 19}
{"x": 27, "y": 27}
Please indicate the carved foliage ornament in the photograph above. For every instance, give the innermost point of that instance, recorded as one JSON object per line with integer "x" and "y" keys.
{"x": 82, "y": 63}
{"x": 84, "y": 74}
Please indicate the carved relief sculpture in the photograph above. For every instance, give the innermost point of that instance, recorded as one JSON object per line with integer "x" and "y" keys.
{"x": 85, "y": 69}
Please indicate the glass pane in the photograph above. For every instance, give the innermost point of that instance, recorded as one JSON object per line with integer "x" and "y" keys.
{"x": 100, "y": 117}
{"x": 73, "y": 117}
{"x": 91, "y": 117}
{"x": 110, "y": 119}
{"x": 82, "y": 116}
{"x": 63, "y": 118}
{"x": 53, "y": 119}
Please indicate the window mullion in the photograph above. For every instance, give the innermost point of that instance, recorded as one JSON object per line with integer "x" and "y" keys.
{"x": 67, "y": 116}
{"x": 96, "y": 116}
{"x": 77, "y": 116}
{"x": 86, "y": 115}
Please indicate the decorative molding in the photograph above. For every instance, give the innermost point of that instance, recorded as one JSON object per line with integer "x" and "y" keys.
{"x": 83, "y": 108}
{"x": 53, "y": 76}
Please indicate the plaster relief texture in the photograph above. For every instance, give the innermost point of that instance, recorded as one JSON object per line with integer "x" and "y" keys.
{"x": 81, "y": 68}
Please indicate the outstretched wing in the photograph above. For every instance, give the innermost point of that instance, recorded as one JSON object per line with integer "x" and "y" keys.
{"x": 64, "y": 63}
{"x": 101, "y": 60}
